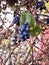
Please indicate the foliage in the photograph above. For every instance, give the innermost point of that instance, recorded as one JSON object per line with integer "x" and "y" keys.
{"x": 34, "y": 28}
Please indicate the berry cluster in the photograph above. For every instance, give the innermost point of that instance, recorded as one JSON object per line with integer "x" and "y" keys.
{"x": 23, "y": 31}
